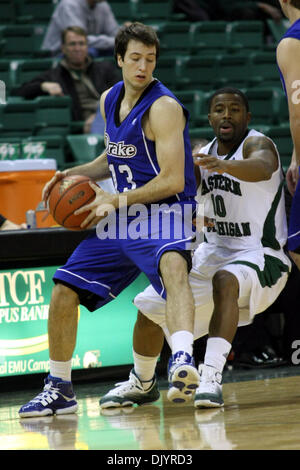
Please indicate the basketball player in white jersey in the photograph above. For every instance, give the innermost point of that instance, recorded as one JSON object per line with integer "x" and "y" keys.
{"x": 240, "y": 268}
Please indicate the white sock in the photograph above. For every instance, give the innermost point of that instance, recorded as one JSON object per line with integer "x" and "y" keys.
{"x": 217, "y": 351}
{"x": 182, "y": 341}
{"x": 61, "y": 369}
{"x": 144, "y": 367}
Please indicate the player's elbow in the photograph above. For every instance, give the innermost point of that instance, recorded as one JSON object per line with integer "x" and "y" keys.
{"x": 178, "y": 186}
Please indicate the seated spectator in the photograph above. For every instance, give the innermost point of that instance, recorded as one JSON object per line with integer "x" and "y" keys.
{"x": 235, "y": 10}
{"x": 76, "y": 75}
{"x": 94, "y": 16}
{"x": 196, "y": 10}
{"x": 6, "y": 224}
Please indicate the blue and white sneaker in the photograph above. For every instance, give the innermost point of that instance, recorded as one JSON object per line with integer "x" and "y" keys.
{"x": 56, "y": 398}
{"x": 183, "y": 377}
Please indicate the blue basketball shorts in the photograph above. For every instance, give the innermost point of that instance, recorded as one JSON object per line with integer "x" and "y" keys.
{"x": 122, "y": 247}
{"x": 294, "y": 222}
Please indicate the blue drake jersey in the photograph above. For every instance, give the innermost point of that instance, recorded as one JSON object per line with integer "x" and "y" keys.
{"x": 131, "y": 156}
{"x": 292, "y": 32}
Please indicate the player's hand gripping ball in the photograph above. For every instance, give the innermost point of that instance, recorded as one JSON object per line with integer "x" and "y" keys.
{"x": 68, "y": 195}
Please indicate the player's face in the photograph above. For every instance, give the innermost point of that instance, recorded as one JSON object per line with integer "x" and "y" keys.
{"x": 75, "y": 48}
{"x": 138, "y": 64}
{"x": 228, "y": 117}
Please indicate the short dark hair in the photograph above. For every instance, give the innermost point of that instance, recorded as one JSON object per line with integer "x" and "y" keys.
{"x": 73, "y": 29}
{"x": 138, "y": 32}
{"x": 296, "y": 3}
{"x": 230, "y": 91}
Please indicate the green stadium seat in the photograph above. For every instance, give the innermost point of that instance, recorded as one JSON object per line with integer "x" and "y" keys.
{"x": 278, "y": 29}
{"x": 21, "y": 41}
{"x": 30, "y": 68}
{"x": 8, "y": 12}
{"x": 209, "y": 37}
{"x": 232, "y": 70}
{"x": 196, "y": 72}
{"x": 245, "y": 35}
{"x": 263, "y": 69}
{"x": 36, "y": 11}
{"x": 123, "y": 10}
{"x": 17, "y": 118}
{"x": 201, "y": 133}
{"x": 174, "y": 38}
{"x": 264, "y": 105}
{"x": 6, "y": 74}
{"x": 53, "y": 115}
{"x": 193, "y": 100}
{"x": 155, "y": 11}
{"x": 281, "y": 135}
{"x": 167, "y": 71}
{"x": 85, "y": 147}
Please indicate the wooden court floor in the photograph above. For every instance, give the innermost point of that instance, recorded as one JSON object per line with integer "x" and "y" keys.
{"x": 261, "y": 413}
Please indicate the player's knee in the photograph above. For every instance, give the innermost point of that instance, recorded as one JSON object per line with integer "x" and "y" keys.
{"x": 63, "y": 294}
{"x": 144, "y": 323}
{"x": 225, "y": 284}
{"x": 173, "y": 268}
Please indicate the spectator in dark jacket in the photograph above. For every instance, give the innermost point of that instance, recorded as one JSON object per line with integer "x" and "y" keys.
{"x": 76, "y": 75}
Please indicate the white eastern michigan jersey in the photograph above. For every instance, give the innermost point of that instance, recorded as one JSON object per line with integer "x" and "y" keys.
{"x": 248, "y": 215}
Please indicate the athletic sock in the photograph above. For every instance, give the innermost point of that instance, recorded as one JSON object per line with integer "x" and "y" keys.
{"x": 182, "y": 341}
{"x": 61, "y": 369}
{"x": 144, "y": 367}
{"x": 217, "y": 351}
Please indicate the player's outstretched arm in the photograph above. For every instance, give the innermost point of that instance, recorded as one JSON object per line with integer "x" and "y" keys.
{"x": 259, "y": 162}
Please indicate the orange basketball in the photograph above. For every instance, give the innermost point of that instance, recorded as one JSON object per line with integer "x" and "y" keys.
{"x": 68, "y": 195}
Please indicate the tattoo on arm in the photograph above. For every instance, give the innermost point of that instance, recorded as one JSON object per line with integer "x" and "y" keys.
{"x": 257, "y": 144}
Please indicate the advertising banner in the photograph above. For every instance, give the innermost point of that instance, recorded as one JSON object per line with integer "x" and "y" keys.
{"x": 104, "y": 337}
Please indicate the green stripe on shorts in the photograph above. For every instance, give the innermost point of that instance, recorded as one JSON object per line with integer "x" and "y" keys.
{"x": 273, "y": 270}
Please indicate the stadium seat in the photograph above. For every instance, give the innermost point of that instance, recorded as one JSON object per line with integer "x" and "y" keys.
{"x": 264, "y": 105}
{"x": 193, "y": 100}
{"x": 281, "y": 135}
{"x": 205, "y": 133}
{"x": 28, "y": 69}
{"x": 209, "y": 37}
{"x": 232, "y": 70}
{"x": 196, "y": 72}
{"x": 17, "y": 118}
{"x": 21, "y": 41}
{"x": 85, "y": 147}
{"x": 156, "y": 11}
{"x": 36, "y": 11}
{"x": 6, "y": 74}
{"x": 167, "y": 71}
{"x": 124, "y": 10}
{"x": 8, "y": 12}
{"x": 263, "y": 69}
{"x": 53, "y": 115}
{"x": 278, "y": 29}
{"x": 174, "y": 38}
{"x": 245, "y": 35}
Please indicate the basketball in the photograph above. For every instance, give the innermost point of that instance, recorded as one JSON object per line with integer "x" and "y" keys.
{"x": 68, "y": 195}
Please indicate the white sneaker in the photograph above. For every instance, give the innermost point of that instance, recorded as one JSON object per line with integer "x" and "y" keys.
{"x": 209, "y": 392}
{"x": 130, "y": 393}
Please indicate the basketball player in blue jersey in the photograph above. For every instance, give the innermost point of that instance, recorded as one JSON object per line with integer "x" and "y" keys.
{"x": 149, "y": 158}
{"x": 288, "y": 53}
